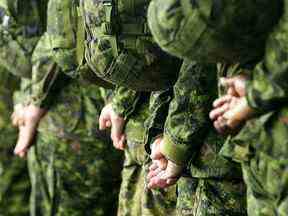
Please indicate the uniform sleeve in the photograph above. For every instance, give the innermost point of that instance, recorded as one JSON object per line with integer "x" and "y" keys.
{"x": 158, "y": 112}
{"x": 268, "y": 87}
{"x": 55, "y": 53}
{"x": 188, "y": 119}
{"x": 125, "y": 100}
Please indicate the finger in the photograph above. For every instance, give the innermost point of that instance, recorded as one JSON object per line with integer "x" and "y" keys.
{"x": 157, "y": 182}
{"x": 155, "y": 151}
{"x": 222, "y": 100}
{"x": 154, "y": 173}
{"x": 118, "y": 143}
{"x": 223, "y": 128}
{"x": 25, "y": 138}
{"x": 15, "y": 122}
{"x": 115, "y": 143}
{"x": 117, "y": 129}
{"x": 233, "y": 123}
{"x": 215, "y": 113}
{"x": 13, "y": 119}
{"x": 217, "y": 126}
{"x": 21, "y": 122}
{"x": 108, "y": 124}
{"x": 121, "y": 143}
{"x": 162, "y": 163}
{"x": 153, "y": 166}
{"x": 227, "y": 82}
{"x": 102, "y": 122}
{"x": 171, "y": 181}
{"x": 232, "y": 92}
{"x": 23, "y": 154}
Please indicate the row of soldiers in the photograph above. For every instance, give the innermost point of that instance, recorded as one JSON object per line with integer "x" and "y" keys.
{"x": 193, "y": 93}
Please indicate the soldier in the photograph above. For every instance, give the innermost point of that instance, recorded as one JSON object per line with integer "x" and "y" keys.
{"x": 126, "y": 116}
{"x": 21, "y": 25}
{"x": 74, "y": 170}
{"x": 208, "y": 183}
{"x": 120, "y": 49}
{"x": 64, "y": 55}
{"x": 259, "y": 102}
{"x": 209, "y": 23}
{"x": 166, "y": 18}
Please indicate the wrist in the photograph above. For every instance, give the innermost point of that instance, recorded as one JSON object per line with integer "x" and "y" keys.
{"x": 178, "y": 154}
{"x": 35, "y": 113}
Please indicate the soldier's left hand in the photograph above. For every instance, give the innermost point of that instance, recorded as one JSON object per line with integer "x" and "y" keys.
{"x": 163, "y": 178}
{"x": 162, "y": 173}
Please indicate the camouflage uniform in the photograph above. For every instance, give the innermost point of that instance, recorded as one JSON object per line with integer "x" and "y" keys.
{"x": 21, "y": 25}
{"x": 67, "y": 57}
{"x": 260, "y": 145}
{"x": 74, "y": 168}
{"x": 120, "y": 49}
{"x": 210, "y": 184}
{"x": 134, "y": 197}
{"x": 204, "y": 31}
{"x": 212, "y": 28}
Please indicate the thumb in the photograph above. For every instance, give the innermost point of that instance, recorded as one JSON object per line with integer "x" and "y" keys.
{"x": 104, "y": 122}
{"x": 117, "y": 130}
{"x": 227, "y": 82}
{"x": 155, "y": 152}
{"x": 173, "y": 170}
{"x": 25, "y": 139}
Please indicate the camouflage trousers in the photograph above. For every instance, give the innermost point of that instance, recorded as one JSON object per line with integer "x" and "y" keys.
{"x": 208, "y": 196}
{"x": 267, "y": 186}
{"x": 74, "y": 175}
{"x": 134, "y": 198}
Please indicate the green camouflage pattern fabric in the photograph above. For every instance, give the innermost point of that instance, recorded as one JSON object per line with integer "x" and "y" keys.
{"x": 14, "y": 180}
{"x": 209, "y": 196}
{"x": 120, "y": 49}
{"x": 125, "y": 100}
{"x": 211, "y": 184}
{"x": 189, "y": 135}
{"x": 213, "y": 31}
{"x": 266, "y": 180}
{"x": 22, "y": 22}
{"x": 134, "y": 197}
{"x": 62, "y": 41}
{"x": 74, "y": 168}
{"x": 261, "y": 145}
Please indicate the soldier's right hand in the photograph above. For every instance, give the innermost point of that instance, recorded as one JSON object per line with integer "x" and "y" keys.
{"x": 31, "y": 117}
{"x": 109, "y": 118}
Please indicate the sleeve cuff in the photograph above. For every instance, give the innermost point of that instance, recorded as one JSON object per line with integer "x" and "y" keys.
{"x": 252, "y": 99}
{"x": 178, "y": 154}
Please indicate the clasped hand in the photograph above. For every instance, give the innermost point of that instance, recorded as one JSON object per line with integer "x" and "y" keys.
{"x": 231, "y": 110}
{"x": 163, "y": 172}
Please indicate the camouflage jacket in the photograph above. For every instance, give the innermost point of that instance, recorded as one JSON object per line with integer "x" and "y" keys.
{"x": 182, "y": 114}
{"x": 267, "y": 94}
{"x": 213, "y": 31}
{"x": 60, "y": 44}
{"x": 52, "y": 88}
